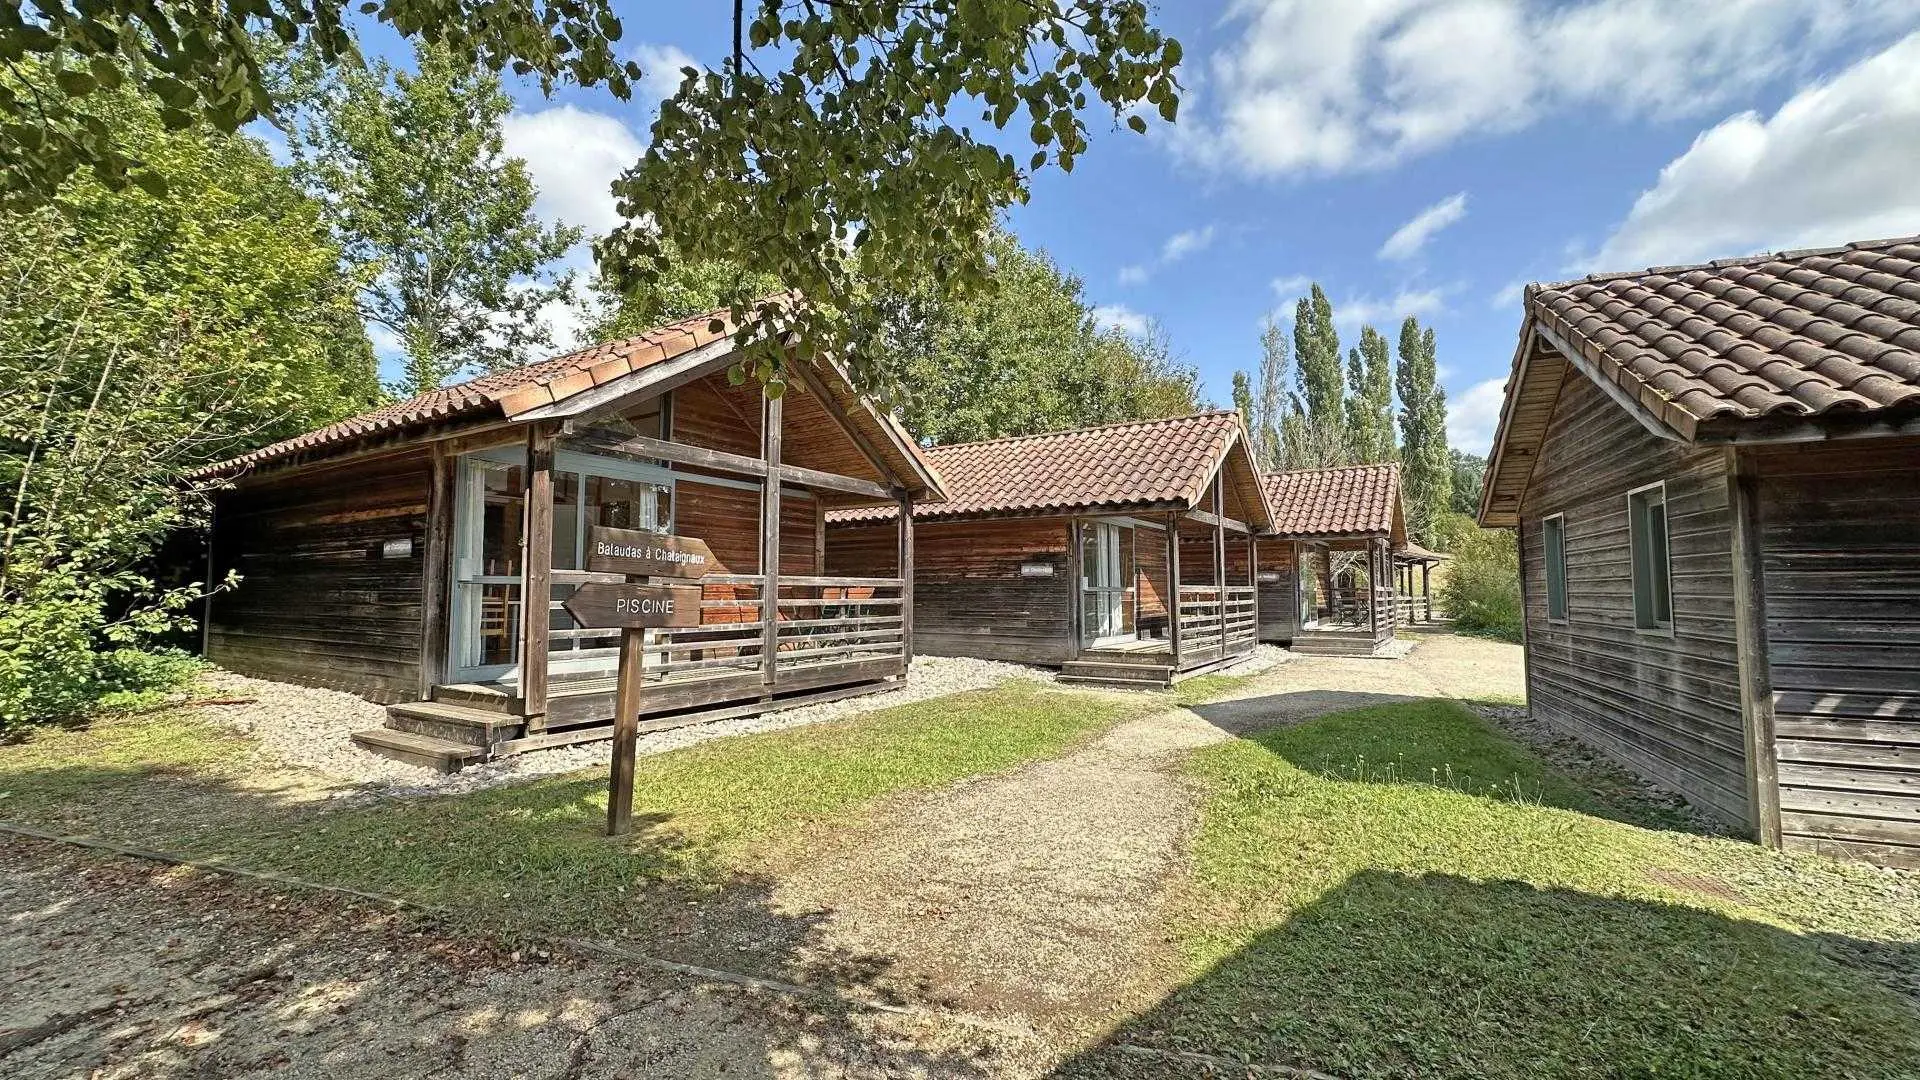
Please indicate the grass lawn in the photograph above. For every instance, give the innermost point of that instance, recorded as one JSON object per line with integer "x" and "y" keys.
{"x": 1403, "y": 891}
{"x": 705, "y": 817}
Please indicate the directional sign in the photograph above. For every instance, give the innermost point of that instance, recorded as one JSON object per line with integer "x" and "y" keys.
{"x": 636, "y": 607}
{"x": 638, "y": 553}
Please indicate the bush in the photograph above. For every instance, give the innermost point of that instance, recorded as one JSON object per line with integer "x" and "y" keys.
{"x": 1482, "y": 589}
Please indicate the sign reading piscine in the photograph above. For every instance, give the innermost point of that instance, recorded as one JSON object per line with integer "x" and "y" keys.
{"x": 639, "y": 553}
{"x": 635, "y": 607}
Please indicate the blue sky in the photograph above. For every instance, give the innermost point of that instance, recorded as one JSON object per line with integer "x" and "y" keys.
{"x": 1415, "y": 157}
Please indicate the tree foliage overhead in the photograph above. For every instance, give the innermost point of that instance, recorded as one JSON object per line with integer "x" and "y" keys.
{"x": 430, "y": 211}
{"x": 1428, "y": 470}
{"x": 206, "y": 63}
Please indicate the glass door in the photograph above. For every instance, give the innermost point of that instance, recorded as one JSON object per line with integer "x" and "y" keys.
{"x": 489, "y": 531}
{"x": 1106, "y": 573}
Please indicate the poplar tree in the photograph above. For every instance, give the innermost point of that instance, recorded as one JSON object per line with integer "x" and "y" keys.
{"x": 1320, "y": 437}
{"x": 1370, "y": 400}
{"x": 1270, "y": 394}
{"x": 1429, "y": 472}
{"x": 1243, "y": 398}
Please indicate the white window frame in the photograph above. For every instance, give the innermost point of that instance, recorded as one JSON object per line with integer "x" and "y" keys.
{"x": 1547, "y": 560}
{"x": 1656, "y": 627}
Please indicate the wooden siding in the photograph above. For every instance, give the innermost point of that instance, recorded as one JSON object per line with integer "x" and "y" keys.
{"x": 1150, "y": 574}
{"x": 319, "y": 603}
{"x": 969, "y": 598}
{"x": 1666, "y": 704}
{"x": 710, "y": 413}
{"x": 1839, "y": 528}
{"x": 1279, "y": 607}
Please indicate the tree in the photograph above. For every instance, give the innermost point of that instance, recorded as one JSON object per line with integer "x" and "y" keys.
{"x": 1243, "y": 397}
{"x": 1318, "y": 438}
{"x": 1469, "y": 470}
{"x": 1428, "y": 472}
{"x": 421, "y": 196}
{"x": 141, "y": 337}
{"x": 1270, "y": 398}
{"x": 1369, "y": 404}
{"x": 847, "y": 158}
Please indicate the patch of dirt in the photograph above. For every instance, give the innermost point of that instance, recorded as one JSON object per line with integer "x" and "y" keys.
{"x": 119, "y": 969}
{"x": 1035, "y": 895}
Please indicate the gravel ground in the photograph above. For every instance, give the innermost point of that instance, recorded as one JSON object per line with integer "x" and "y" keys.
{"x": 312, "y": 728}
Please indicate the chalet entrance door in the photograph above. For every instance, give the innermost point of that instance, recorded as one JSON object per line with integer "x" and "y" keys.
{"x": 1106, "y": 571}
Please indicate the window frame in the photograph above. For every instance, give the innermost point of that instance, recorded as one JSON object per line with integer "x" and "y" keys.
{"x": 1653, "y": 624}
{"x": 1548, "y": 559}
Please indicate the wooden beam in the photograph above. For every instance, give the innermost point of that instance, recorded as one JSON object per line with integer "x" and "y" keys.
{"x": 436, "y": 566}
{"x": 536, "y": 568}
{"x": 643, "y": 447}
{"x": 770, "y": 433}
{"x": 1173, "y": 589}
{"x": 1216, "y": 520}
{"x": 1750, "y": 646}
{"x": 1635, "y": 408}
{"x": 1220, "y": 554}
{"x": 840, "y": 416}
{"x": 819, "y": 537}
{"x": 1076, "y": 571}
{"x": 612, "y": 397}
{"x": 906, "y": 577}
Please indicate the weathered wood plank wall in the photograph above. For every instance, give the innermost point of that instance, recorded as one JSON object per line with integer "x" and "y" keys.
{"x": 1668, "y": 705}
{"x": 321, "y": 604}
{"x": 969, "y": 596}
{"x": 1840, "y": 557}
{"x": 1279, "y": 609}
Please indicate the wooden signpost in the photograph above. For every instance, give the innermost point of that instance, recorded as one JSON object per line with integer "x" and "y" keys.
{"x": 635, "y": 608}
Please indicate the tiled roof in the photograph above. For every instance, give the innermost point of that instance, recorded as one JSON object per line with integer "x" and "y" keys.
{"x": 1811, "y": 333}
{"x": 1111, "y": 467}
{"x": 1341, "y": 501}
{"x": 504, "y": 394}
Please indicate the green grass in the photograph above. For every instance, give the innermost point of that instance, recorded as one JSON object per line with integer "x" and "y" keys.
{"x": 1402, "y": 891}
{"x": 56, "y": 766}
{"x": 705, "y": 817}
{"x": 1204, "y": 688}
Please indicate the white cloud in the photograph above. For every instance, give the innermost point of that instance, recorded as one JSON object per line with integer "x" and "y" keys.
{"x": 1120, "y": 317}
{"x": 1408, "y": 239}
{"x": 1354, "y": 312}
{"x": 1472, "y": 416}
{"x": 1314, "y": 87}
{"x": 1134, "y": 275}
{"x": 1291, "y": 287}
{"x": 1837, "y": 162}
{"x": 574, "y": 155}
{"x": 662, "y": 70}
{"x": 1182, "y": 244}
{"x": 1509, "y": 294}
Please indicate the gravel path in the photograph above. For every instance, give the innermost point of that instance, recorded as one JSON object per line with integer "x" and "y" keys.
{"x": 312, "y": 729}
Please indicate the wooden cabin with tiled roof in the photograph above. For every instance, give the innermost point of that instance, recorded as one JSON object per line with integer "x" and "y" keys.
{"x": 1715, "y": 475}
{"x": 419, "y": 555}
{"x": 1121, "y": 554}
{"x": 1329, "y": 579}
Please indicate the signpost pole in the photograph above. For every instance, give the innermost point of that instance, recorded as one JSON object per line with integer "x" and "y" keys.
{"x": 626, "y": 730}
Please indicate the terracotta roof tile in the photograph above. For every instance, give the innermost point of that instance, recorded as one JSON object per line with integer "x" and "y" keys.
{"x": 1334, "y": 502}
{"x": 1799, "y": 333}
{"x": 1110, "y": 467}
{"x": 504, "y": 393}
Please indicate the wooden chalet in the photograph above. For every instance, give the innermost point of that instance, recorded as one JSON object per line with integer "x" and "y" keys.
{"x": 1329, "y": 579}
{"x": 1715, "y": 474}
{"x": 419, "y": 555}
{"x": 1121, "y": 554}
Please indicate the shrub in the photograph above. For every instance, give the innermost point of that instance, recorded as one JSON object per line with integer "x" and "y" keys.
{"x": 1482, "y": 588}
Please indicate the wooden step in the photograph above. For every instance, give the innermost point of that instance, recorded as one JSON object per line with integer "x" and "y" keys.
{"x": 1140, "y": 658}
{"x": 483, "y": 728}
{"x": 422, "y": 750}
{"x": 1130, "y": 675}
{"x": 477, "y": 696}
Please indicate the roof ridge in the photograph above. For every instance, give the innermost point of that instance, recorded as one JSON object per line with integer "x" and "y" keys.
{"x": 943, "y": 447}
{"x": 1785, "y": 254}
{"x": 1330, "y": 468}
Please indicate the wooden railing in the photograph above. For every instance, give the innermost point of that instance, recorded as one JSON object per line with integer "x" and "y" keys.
{"x": 821, "y": 620}
{"x": 1211, "y": 616}
{"x": 1415, "y": 608}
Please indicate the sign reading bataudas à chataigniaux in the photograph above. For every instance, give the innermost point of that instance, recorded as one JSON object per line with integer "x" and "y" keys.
{"x": 638, "y": 553}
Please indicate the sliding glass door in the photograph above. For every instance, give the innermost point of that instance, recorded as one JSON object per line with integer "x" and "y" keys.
{"x": 1106, "y": 583}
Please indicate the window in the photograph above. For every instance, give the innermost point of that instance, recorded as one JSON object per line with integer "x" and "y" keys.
{"x": 1554, "y": 531}
{"x": 1652, "y": 577}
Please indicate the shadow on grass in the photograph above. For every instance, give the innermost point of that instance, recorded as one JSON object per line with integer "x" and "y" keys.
{"x": 1442, "y": 976}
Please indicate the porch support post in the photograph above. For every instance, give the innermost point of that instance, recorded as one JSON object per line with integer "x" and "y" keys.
{"x": 770, "y": 537}
{"x": 906, "y": 580}
{"x": 1426, "y": 588}
{"x": 1253, "y": 582}
{"x": 436, "y": 564}
{"x": 1173, "y": 587}
{"x": 1076, "y": 581}
{"x": 536, "y": 567}
{"x": 1220, "y": 556}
